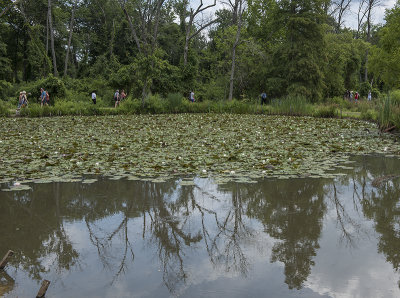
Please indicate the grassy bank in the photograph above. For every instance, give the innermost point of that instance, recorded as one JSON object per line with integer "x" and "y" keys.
{"x": 384, "y": 111}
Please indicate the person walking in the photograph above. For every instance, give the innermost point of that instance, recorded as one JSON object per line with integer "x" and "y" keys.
{"x": 263, "y": 98}
{"x": 191, "y": 96}
{"x": 116, "y": 98}
{"x": 20, "y": 100}
{"x": 24, "y": 99}
{"x": 356, "y": 97}
{"x": 369, "y": 95}
{"x": 42, "y": 97}
{"x": 94, "y": 97}
{"x": 123, "y": 95}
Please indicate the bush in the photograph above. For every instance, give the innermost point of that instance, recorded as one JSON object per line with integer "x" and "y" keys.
{"x": 328, "y": 111}
{"x": 369, "y": 115}
{"x": 395, "y": 97}
{"x": 4, "y": 110}
{"x": 53, "y": 85}
{"x": 174, "y": 102}
{"x": 154, "y": 104}
{"x": 130, "y": 106}
{"x": 5, "y": 89}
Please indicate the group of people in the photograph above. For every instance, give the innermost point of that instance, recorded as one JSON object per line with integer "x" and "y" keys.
{"x": 350, "y": 95}
{"x": 23, "y": 98}
{"x": 118, "y": 97}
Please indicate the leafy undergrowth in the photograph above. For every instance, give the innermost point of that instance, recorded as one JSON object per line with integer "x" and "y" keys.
{"x": 225, "y": 146}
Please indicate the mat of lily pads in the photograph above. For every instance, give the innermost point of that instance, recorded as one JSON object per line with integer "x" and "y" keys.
{"x": 154, "y": 147}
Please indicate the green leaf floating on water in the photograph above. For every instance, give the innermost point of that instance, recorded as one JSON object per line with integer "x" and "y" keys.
{"x": 227, "y": 147}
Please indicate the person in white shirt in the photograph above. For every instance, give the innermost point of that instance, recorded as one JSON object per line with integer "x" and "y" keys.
{"x": 94, "y": 97}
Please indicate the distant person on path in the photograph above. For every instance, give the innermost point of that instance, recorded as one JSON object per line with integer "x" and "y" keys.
{"x": 351, "y": 95}
{"x": 356, "y": 97}
{"x": 47, "y": 98}
{"x": 20, "y": 100}
{"x": 263, "y": 98}
{"x": 347, "y": 95}
{"x": 24, "y": 99}
{"x": 369, "y": 95}
{"x": 191, "y": 96}
{"x": 116, "y": 98}
{"x": 42, "y": 97}
{"x": 94, "y": 97}
{"x": 123, "y": 95}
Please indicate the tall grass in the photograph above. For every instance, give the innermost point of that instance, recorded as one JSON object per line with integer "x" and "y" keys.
{"x": 292, "y": 106}
{"x": 385, "y": 113}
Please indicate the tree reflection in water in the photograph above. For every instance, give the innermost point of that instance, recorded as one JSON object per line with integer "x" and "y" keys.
{"x": 291, "y": 212}
{"x": 176, "y": 221}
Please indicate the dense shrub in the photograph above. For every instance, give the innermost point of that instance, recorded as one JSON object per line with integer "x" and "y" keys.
{"x": 326, "y": 111}
{"x": 4, "y": 109}
{"x": 292, "y": 105}
{"x": 5, "y": 89}
{"x": 53, "y": 85}
{"x": 395, "y": 97}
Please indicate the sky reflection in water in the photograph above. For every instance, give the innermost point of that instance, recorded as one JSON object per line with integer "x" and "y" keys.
{"x": 275, "y": 238}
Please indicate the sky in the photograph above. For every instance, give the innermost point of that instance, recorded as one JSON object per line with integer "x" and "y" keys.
{"x": 350, "y": 18}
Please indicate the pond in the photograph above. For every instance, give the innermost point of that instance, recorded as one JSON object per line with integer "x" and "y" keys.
{"x": 304, "y": 237}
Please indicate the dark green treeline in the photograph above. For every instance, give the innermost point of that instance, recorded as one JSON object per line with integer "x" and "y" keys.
{"x": 283, "y": 47}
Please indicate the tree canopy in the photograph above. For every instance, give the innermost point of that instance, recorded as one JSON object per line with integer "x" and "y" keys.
{"x": 283, "y": 47}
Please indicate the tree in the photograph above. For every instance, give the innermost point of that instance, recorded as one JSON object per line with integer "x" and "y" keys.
{"x": 71, "y": 26}
{"x": 53, "y": 51}
{"x": 190, "y": 30}
{"x": 384, "y": 60}
{"x": 238, "y": 8}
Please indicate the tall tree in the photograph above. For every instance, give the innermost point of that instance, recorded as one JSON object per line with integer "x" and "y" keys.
{"x": 238, "y": 8}
{"x": 340, "y": 8}
{"x": 147, "y": 15}
{"x": 71, "y": 29}
{"x": 53, "y": 51}
{"x": 371, "y": 4}
{"x": 193, "y": 13}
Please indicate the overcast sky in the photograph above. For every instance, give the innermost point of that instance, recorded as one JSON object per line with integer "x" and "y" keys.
{"x": 350, "y": 17}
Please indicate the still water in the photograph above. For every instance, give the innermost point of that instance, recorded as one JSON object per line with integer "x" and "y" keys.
{"x": 275, "y": 238}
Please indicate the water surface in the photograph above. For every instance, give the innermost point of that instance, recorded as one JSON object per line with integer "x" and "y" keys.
{"x": 275, "y": 238}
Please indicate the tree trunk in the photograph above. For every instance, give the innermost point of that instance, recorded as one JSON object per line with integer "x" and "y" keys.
{"x": 112, "y": 38}
{"x": 53, "y": 52}
{"x": 371, "y": 4}
{"x": 25, "y": 59}
{"x": 16, "y": 59}
{"x": 186, "y": 48}
{"x": 71, "y": 26}
{"x": 236, "y": 43}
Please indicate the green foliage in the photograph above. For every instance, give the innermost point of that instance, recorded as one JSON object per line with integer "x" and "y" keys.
{"x": 4, "y": 110}
{"x": 5, "y": 89}
{"x": 53, "y": 85}
{"x": 174, "y": 102}
{"x": 326, "y": 111}
{"x": 395, "y": 97}
{"x": 385, "y": 113}
{"x": 292, "y": 105}
{"x": 384, "y": 60}
{"x": 365, "y": 87}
